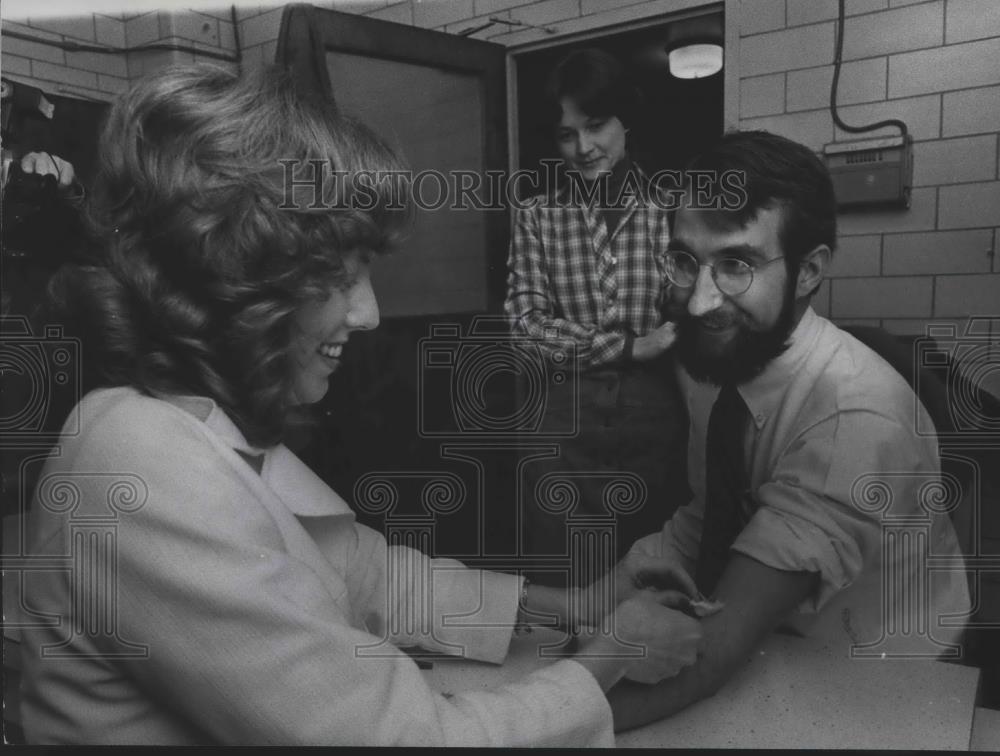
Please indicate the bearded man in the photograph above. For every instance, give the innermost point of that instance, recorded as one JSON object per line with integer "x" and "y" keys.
{"x": 804, "y": 452}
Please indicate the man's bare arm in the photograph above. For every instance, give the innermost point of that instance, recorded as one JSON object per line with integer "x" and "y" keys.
{"x": 756, "y": 599}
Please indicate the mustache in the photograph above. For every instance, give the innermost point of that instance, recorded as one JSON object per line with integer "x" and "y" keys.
{"x": 714, "y": 319}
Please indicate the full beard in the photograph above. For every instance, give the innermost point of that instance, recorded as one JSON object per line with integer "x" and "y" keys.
{"x": 746, "y": 354}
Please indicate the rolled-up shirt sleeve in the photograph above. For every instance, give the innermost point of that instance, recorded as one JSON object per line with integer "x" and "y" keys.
{"x": 823, "y": 507}
{"x": 679, "y": 538}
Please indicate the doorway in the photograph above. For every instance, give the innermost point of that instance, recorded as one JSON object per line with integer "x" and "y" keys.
{"x": 678, "y": 116}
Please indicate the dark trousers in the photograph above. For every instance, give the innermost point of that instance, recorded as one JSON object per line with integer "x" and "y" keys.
{"x": 618, "y": 477}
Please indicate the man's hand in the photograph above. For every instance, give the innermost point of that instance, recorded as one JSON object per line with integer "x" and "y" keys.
{"x": 654, "y": 343}
{"x": 45, "y": 164}
{"x": 643, "y": 640}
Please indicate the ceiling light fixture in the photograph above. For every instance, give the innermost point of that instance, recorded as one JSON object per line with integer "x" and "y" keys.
{"x": 694, "y": 47}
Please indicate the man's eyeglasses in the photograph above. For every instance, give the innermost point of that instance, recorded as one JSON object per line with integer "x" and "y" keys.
{"x": 732, "y": 275}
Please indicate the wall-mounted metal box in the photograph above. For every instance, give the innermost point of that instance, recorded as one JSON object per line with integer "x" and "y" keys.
{"x": 871, "y": 172}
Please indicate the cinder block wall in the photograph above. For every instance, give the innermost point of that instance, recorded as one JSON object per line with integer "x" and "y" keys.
{"x": 101, "y": 76}
{"x": 935, "y": 64}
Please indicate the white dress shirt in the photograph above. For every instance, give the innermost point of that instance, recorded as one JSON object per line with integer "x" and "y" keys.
{"x": 843, "y": 484}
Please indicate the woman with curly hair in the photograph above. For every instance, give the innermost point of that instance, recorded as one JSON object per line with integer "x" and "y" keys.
{"x": 220, "y": 592}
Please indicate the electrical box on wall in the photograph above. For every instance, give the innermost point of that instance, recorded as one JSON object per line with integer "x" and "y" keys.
{"x": 875, "y": 173}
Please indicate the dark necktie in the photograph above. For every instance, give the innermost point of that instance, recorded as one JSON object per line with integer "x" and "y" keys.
{"x": 726, "y": 483}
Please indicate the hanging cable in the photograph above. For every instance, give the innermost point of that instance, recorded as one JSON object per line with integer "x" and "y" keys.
{"x": 895, "y": 122}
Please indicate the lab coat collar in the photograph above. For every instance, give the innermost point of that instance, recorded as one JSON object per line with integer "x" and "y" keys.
{"x": 300, "y": 489}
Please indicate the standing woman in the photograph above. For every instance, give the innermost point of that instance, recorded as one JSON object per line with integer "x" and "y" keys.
{"x": 587, "y": 278}
{"x": 235, "y": 599}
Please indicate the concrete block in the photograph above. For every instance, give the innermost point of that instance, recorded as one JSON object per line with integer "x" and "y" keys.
{"x": 812, "y": 128}
{"x": 15, "y": 64}
{"x": 111, "y": 64}
{"x": 63, "y": 75}
{"x": 260, "y": 29}
{"x": 487, "y": 7}
{"x": 195, "y": 27}
{"x": 359, "y": 7}
{"x": 971, "y": 19}
{"x": 80, "y": 28}
{"x": 147, "y": 61}
{"x": 920, "y": 216}
{"x": 860, "y": 81}
{"x": 921, "y": 326}
{"x": 952, "y": 161}
{"x": 922, "y": 116}
{"x": 112, "y": 84}
{"x": 432, "y": 15}
{"x": 786, "y": 50}
{"x": 857, "y": 7}
{"x": 893, "y": 31}
{"x": 971, "y": 111}
{"x": 142, "y": 30}
{"x": 970, "y": 205}
{"x": 963, "y": 66}
{"x": 762, "y": 95}
{"x": 227, "y": 39}
{"x": 960, "y": 296}
{"x": 937, "y": 252}
{"x": 548, "y": 12}
{"x": 909, "y": 297}
{"x": 33, "y": 50}
{"x": 22, "y": 28}
{"x": 761, "y": 15}
{"x": 811, "y": 11}
{"x": 857, "y": 256}
{"x": 400, "y": 13}
{"x": 110, "y": 31}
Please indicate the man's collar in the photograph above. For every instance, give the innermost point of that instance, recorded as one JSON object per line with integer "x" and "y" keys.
{"x": 764, "y": 393}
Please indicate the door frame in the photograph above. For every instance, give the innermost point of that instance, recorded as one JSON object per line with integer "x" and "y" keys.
{"x": 685, "y": 9}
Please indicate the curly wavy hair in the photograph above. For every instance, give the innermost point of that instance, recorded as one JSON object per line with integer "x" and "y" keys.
{"x": 201, "y": 258}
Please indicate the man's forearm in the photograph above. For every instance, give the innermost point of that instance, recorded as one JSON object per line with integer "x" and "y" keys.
{"x": 635, "y": 704}
{"x": 756, "y": 598}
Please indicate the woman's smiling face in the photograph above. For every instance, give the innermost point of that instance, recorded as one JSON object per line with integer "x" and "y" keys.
{"x": 323, "y": 327}
{"x": 591, "y": 145}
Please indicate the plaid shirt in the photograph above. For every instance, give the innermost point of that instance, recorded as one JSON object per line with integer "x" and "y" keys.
{"x": 570, "y": 283}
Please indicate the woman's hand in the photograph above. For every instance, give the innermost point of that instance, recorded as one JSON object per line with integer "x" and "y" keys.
{"x": 643, "y": 640}
{"x": 637, "y": 574}
{"x": 654, "y": 343}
